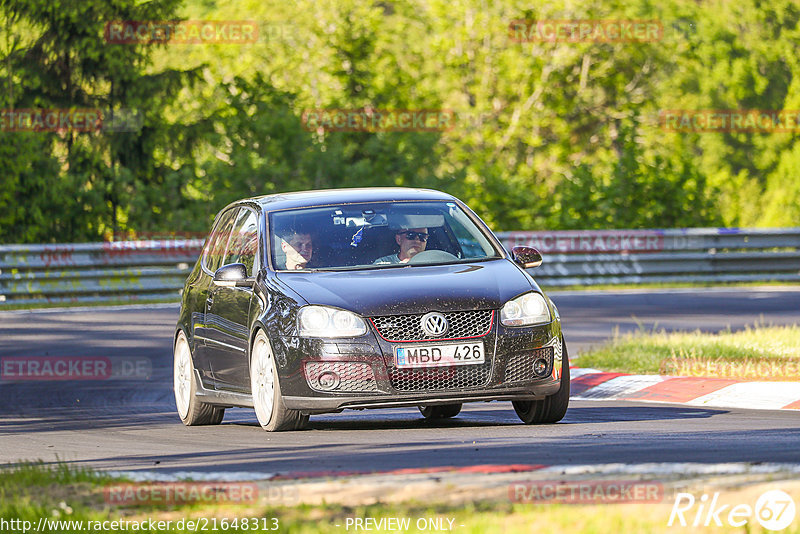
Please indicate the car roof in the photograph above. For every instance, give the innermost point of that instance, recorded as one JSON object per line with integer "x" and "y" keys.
{"x": 321, "y": 197}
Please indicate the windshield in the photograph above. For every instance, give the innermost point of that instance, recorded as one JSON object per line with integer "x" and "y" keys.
{"x": 376, "y": 235}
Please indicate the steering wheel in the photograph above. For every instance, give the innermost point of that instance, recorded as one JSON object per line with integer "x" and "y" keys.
{"x": 432, "y": 256}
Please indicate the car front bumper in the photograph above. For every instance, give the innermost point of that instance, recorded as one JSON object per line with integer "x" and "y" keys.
{"x": 428, "y": 398}
{"x": 372, "y": 380}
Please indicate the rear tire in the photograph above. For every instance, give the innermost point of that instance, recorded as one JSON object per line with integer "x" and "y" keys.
{"x": 191, "y": 410}
{"x": 444, "y": 411}
{"x": 552, "y": 408}
{"x": 272, "y": 414}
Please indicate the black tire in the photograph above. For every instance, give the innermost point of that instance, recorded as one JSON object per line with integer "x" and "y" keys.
{"x": 552, "y": 408}
{"x": 444, "y": 411}
{"x": 302, "y": 421}
{"x": 191, "y": 410}
{"x": 265, "y": 387}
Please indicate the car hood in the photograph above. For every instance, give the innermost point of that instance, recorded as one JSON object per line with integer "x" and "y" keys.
{"x": 413, "y": 289}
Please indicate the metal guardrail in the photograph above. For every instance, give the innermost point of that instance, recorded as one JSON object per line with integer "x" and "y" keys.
{"x": 663, "y": 256}
{"x": 95, "y": 272}
{"x": 156, "y": 269}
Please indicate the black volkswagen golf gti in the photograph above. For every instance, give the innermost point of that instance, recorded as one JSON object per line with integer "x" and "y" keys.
{"x": 313, "y": 302}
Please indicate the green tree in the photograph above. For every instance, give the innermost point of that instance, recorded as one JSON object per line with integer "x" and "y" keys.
{"x": 548, "y": 134}
{"x": 60, "y": 60}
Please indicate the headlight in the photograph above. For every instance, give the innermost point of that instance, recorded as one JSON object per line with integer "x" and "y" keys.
{"x": 525, "y": 310}
{"x": 320, "y": 321}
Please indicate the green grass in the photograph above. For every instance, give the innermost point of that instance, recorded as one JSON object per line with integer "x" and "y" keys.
{"x": 61, "y": 492}
{"x": 38, "y": 474}
{"x": 755, "y": 352}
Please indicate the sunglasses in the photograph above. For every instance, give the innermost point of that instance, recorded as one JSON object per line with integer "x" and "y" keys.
{"x": 415, "y": 236}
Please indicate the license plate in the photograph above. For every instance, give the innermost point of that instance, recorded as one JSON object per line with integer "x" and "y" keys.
{"x": 438, "y": 355}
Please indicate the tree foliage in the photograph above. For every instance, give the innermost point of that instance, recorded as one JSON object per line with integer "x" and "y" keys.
{"x": 547, "y": 134}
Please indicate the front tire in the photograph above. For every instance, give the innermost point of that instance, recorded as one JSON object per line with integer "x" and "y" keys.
{"x": 192, "y": 411}
{"x": 444, "y": 411}
{"x": 271, "y": 412}
{"x": 552, "y": 408}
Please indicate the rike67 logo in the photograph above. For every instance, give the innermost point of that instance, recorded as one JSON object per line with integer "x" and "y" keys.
{"x": 774, "y": 510}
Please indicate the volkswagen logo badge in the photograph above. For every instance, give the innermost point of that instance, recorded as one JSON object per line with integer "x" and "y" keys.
{"x": 434, "y": 324}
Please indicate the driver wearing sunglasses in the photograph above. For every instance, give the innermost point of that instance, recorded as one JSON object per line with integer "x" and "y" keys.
{"x": 411, "y": 241}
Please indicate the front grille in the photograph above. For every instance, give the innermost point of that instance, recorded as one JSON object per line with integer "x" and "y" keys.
{"x": 520, "y": 365}
{"x": 352, "y": 376}
{"x": 440, "y": 378}
{"x": 404, "y": 328}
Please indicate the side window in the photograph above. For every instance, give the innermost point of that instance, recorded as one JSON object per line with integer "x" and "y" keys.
{"x": 243, "y": 243}
{"x": 218, "y": 240}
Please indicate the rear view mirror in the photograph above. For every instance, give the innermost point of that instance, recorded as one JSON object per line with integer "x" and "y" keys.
{"x": 233, "y": 275}
{"x": 402, "y": 221}
{"x": 527, "y": 257}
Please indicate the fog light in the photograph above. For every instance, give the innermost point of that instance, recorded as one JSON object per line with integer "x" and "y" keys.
{"x": 540, "y": 367}
{"x": 328, "y": 380}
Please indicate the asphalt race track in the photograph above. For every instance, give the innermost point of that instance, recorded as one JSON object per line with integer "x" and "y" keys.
{"x": 128, "y": 421}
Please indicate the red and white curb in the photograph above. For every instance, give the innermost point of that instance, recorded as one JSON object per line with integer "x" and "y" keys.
{"x": 591, "y": 384}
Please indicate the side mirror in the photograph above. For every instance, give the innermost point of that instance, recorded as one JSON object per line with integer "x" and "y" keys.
{"x": 527, "y": 257}
{"x": 233, "y": 275}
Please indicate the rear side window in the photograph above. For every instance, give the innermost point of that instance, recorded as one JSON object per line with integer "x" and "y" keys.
{"x": 243, "y": 243}
{"x": 215, "y": 249}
